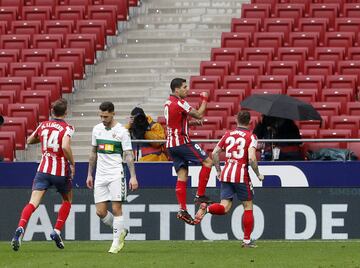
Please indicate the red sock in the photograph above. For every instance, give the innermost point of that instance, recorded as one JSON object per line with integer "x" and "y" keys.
{"x": 216, "y": 209}
{"x": 26, "y": 214}
{"x": 203, "y": 180}
{"x": 63, "y": 214}
{"x": 248, "y": 223}
{"x": 181, "y": 193}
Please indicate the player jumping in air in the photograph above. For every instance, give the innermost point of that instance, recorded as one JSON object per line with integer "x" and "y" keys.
{"x": 57, "y": 167}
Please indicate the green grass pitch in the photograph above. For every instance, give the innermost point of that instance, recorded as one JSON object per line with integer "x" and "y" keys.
{"x": 180, "y": 254}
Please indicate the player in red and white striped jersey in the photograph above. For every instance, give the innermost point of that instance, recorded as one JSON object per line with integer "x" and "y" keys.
{"x": 57, "y": 167}
{"x": 180, "y": 147}
{"x": 240, "y": 148}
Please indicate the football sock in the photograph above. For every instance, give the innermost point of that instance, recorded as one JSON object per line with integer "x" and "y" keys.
{"x": 26, "y": 214}
{"x": 203, "y": 180}
{"x": 108, "y": 219}
{"x": 181, "y": 194}
{"x": 62, "y": 215}
{"x": 248, "y": 223}
{"x": 216, "y": 209}
{"x": 117, "y": 229}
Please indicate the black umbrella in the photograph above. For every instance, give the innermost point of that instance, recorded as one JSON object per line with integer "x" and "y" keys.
{"x": 282, "y": 106}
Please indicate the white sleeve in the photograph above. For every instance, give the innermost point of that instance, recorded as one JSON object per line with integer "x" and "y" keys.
{"x": 69, "y": 131}
{"x": 185, "y": 106}
{"x": 126, "y": 141}
{"x": 93, "y": 138}
{"x": 253, "y": 142}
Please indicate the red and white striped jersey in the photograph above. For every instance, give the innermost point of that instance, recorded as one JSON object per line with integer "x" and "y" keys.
{"x": 51, "y": 134}
{"x": 177, "y": 126}
{"x": 236, "y": 144}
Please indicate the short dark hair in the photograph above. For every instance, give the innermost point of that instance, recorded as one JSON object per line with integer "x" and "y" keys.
{"x": 176, "y": 83}
{"x": 243, "y": 118}
{"x": 59, "y": 107}
{"x": 107, "y": 106}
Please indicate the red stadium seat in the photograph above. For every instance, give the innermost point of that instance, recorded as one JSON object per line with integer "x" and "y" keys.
{"x": 211, "y": 123}
{"x": 235, "y": 40}
{"x": 86, "y": 41}
{"x": 7, "y": 139}
{"x": 349, "y": 68}
{"x": 319, "y": 25}
{"x": 307, "y": 95}
{"x": 342, "y": 81}
{"x": 223, "y": 109}
{"x": 335, "y": 133}
{"x": 216, "y": 68}
{"x": 239, "y": 82}
{"x": 205, "y": 82}
{"x": 15, "y": 84}
{"x": 305, "y": 39}
{"x": 50, "y": 3}
{"x": 353, "y": 53}
{"x": 36, "y": 55}
{"x": 30, "y": 111}
{"x": 312, "y": 124}
{"x": 261, "y": 11}
{"x": 107, "y": 13}
{"x": 230, "y": 95}
{"x": 272, "y": 82}
{"x": 245, "y": 25}
{"x": 9, "y": 55}
{"x": 48, "y": 41}
{"x": 345, "y": 122}
{"x": 329, "y": 53}
{"x": 288, "y": 68}
{"x": 267, "y": 91}
{"x": 339, "y": 39}
{"x": 351, "y": 10}
{"x": 309, "y": 81}
{"x": 354, "y": 147}
{"x": 25, "y": 69}
{"x": 15, "y": 41}
{"x": 327, "y": 108}
{"x": 353, "y": 108}
{"x": 7, "y": 97}
{"x": 201, "y": 134}
{"x": 134, "y": 3}
{"x": 342, "y": 95}
{"x": 329, "y": 11}
{"x": 219, "y": 133}
{"x": 97, "y": 27}
{"x": 122, "y": 8}
{"x": 40, "y": 97}
{"x": 26, "y": 27}
{"x": 3, "y": 69}
{"x": 74, "y": 55}
{"x": 249, "y": 68}
{"x": 9, "y": 13}
{"x": 19, "y": 126}
{"x": 316, "y": 146}
{"x": 52, "y": 84}
{"x": 309, "y": 133}
{"x": 58, "y": 27}
{"x": 226, "y": 54}
{"x": 3, "y": 27}
{"x": 319, "y": 67}
{"x": 347, "y": 25}
{"x": 194, "y": 95}
{"x": 271, "y": 2}
{"x": 39, "y": 13}
{"x": 282, "y": 25}
{"x": 290, "y": 10}
{"x": 70, "y": 13}
{"x": 299, "y": 54}
{"x": 63, "y": 69}
{"x": 269, "y": 39}
{"x": 258, "y": 54}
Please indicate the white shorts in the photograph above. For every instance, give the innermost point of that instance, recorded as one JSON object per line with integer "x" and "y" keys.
{"x": 110, "y": 190}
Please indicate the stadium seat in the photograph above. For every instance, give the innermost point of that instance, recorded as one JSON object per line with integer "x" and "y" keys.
{"x": 327, "y": 108}
{"x": 319, "y": 67}
{"x": 216, "y": 68}
{"x": 223, "y": 109}
{"x": 229, "y": 95}
{"x": 235, "y": 40}
{"x": 351, "y": 67}
{"x": 9, "y": 13}
{"x": 309, "y": 133}
{"x": 74, "y": 55}
{"x": 50, "y": 3}
{"x": 48, "y": 41}
{"x": 308, "y": 81}
{"x": 86, "y": 41}
{"x": 36, "y": 13}
{"x": 284, "y": 25}
{"x": 219, "y": 133}
{"x": 7, "y": 97}
{"x": 226, "y": 54}
{"x": 36, "y": 55}
{"x": 134, "y": 3}
{"x": 7, "y": 139}
{"x": 304, "y": 39}
{"x": 19, "y": 126}
{"x": 73, "y": 13}
{"x": 63, "y": 69}
{"x": 97, "y": 27}
{"x": 314, "y": 124}
{"x": 194, "y": 95}
{"x": 353, "y": 53}
{"x": 319, "y": 25}
{"x": 40, "y": 97}
{"x": 329, "y": 11}
{"x": 245, "y": 25}
{"x": 107, "y": 13}
{"x": 353, "y": 108}
{"x": 339, "y": 39}
{"x": 342, "y": 81}
{"x": 299, "y": 54}
{"x": 15, "y": 41}
{"x": 261, "y": 11}
{"x": 9, "y": 55}
{"x": 335, "y": 133}
{"x": 347, "y": 25}
{"x": 25, "y": 69}
{"x": 354, "y": 147}
{"x": 351, "y": 10}
{"x": 272, "y": 82}
{"x": 122, "y": 8}
{"x": 269, "y": 39}
{"x": 258, "y": 54}
{"x": 271, "y": 2}
{"x": 27, "y": 110}
{"x": 3, "y": 69}
{"x": 240, "y": 82}
{"x": 211, "y": 123}
{"x": 201, "y": 134}
{"x": 288, "y": 68}
{"x": 3, "y": 27}
{"x": 329, "y": 53}
{"x": 303, "y": 94}
{"x": 15, "y": 84}
{"x": 48, "y": 83}
{"x": 58, "y": 27}
{"x": 26, "y": 27}
{"x": 205, "y": 82}
{"x": 249, "y": 68}
{"x": 316, "y": 146}
{"x": 345, "y": 122}
{"x": 261, "y": 91}
{"x": 294, "y": 11}
{"x": 342, "y": 95}
{"x": 306, "y": 4}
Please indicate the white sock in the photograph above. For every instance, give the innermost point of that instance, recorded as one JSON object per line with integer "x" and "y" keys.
{"x": 117, "y": 228}
{"x": 108, "y": 219}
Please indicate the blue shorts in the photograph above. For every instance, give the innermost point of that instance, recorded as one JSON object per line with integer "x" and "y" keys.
{"x": 244, "y": 191}
{"x": 43, "y": 181}
{"x": 183, "y": 154}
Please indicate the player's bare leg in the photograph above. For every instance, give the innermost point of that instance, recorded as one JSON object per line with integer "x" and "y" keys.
{"x": 119, "y": 231}
{"x": 34, "y": 202}
{"x": 203, "y": 180}
{"x": 248, "y": 224}
{"x": 180, "y": 190}
{"x": 216, "y": 208}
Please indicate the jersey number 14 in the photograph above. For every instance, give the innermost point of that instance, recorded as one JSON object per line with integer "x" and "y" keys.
{"x": 51, "y": 141}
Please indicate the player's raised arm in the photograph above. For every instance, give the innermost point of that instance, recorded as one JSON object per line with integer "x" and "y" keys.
{"x": 66, "y": 147}
{"x": 253, "y": 162}
{"x": 91, "y": 168}
{"x": 198, "y": 114}
{"x": 129, "y": 159}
